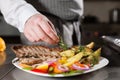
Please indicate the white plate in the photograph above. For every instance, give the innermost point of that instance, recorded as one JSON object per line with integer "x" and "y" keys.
{"x": 103, "y": 62}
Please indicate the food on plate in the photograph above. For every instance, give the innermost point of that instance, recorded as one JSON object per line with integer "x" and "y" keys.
{"x": 67, "y": 53}
{"x": 56, "y": 60}
{"x": 91, "y": 45}
{"x": 73, "y": 59}
{"x": 35, "y": 54}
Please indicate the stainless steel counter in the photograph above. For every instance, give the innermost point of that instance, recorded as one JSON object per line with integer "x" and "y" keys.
{"x": 110, "y": 72}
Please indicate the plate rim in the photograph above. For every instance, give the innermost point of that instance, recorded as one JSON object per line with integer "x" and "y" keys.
{"x": 96, "y": 67}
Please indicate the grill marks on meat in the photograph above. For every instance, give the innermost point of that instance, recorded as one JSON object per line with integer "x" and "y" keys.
{"x": 35, "y": 54}
{"x": 30, "y": 61}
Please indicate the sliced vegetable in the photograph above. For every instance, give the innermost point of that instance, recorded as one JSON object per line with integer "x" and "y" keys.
{"x": 79, "y": 66}
{"x": 67, "y": 53}
{"x": 60, "y": 69}
{"x": 51, "y": 62}
{"x": 39, "y": 71}
{"x": 25, "y": 66}
{"x": 62, "y": 60}
{"x": 43, "y": 67}
{"x": 94, "y": 57}
{"x": 87, "y": 51}
{"x": 97, "y": 53}
{"x": 74, "y": 59}
{"x": 50, "y": 69}
{"x": 90, "y": 45}
{"x": 63, "y": 68}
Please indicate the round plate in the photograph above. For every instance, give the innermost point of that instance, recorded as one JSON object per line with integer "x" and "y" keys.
{"x": 102, "y": 63}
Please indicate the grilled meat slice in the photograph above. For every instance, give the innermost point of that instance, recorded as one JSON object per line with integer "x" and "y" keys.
{"x": 35, "y": 54}
{"x": 30, "y": 61}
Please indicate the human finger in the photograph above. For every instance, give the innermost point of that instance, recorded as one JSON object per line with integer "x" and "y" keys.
{"x": 32, "y": 34}
{"x": 43, "y": 36}
{"x": 46, "y": 27}
{"x": 28, "y": 36}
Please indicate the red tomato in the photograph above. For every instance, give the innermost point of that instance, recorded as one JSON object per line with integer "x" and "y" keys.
{"x": 53, "y": 64}
{"x": 39, "y": 71}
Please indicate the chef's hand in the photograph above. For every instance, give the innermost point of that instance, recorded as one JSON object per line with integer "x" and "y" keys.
{"x": 39, "y": 28}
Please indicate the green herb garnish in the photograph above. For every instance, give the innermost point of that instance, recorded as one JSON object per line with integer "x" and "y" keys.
{"x": 80, "y": 49}
{"x": 62, "y": 44}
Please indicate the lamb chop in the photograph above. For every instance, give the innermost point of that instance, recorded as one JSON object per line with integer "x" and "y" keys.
{"x": 35, "y": 54}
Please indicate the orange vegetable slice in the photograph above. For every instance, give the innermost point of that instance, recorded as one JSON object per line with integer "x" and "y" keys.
{"x": 2, "y": 44}
{"x": 43, "y": 66}
{"x": 25, "y": 65}
{"x": 2, "y": 57}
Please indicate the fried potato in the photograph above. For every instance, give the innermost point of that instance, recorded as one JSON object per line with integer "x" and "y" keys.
{"x": 67, "y": 53}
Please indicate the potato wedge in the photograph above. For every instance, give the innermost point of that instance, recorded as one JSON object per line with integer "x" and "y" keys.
{"x": 67, "y": 53}
{"x": 90, "y": 45}
{"x": 94, "y": 57}
{"x": 74, "y": 59}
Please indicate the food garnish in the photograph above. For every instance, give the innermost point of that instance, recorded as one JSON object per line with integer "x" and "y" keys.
{"x": 62, "y": 44}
